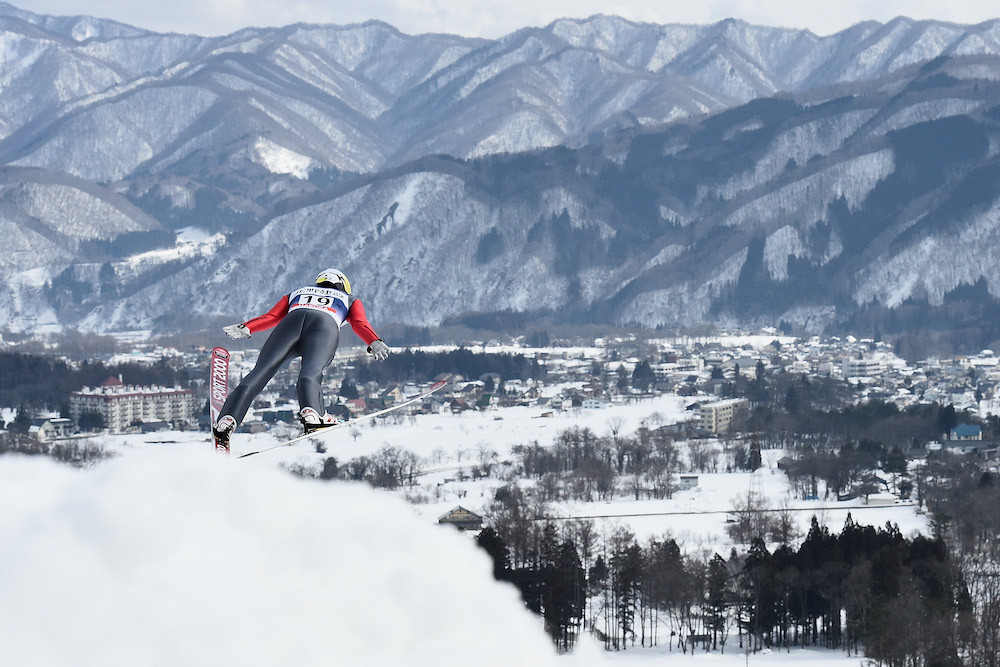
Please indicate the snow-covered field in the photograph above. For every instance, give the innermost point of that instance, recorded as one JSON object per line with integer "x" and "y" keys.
{"x": 449, "y": 443}
{"x": 170, "y": 554}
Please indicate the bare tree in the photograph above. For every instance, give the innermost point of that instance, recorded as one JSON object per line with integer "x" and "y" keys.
{"x": 750, "y": 519}
{"x": 701, "y": 456}
{"x": 615, "y": 425}
{"x": 783, "y": 527}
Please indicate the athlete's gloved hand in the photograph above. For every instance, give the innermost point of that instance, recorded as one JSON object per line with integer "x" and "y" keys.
{"x": 379, "y": 350}
{"x": 237, "y": 331}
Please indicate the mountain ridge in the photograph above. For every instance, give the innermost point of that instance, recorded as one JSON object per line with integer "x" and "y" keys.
{"x": 592, "y": 171}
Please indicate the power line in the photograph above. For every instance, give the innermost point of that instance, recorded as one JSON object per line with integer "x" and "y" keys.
{"x": 733, "y": 512}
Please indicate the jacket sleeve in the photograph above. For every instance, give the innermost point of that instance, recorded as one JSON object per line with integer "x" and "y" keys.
{"x": 359, "y": 322}
{"x": 270, "y": 318}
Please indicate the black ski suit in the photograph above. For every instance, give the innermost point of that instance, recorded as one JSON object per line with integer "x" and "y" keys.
{"x": 306, "y": 324}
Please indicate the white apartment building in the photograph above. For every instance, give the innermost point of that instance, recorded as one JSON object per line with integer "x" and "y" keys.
{"x": 122, "y": 405}
{"x": 718, "y": 417}
{"x": 863, "y": 367}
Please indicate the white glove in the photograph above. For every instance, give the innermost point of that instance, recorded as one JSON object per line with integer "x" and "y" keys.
{"x": 237, "y": 331}
{"x": 379, "y": 350}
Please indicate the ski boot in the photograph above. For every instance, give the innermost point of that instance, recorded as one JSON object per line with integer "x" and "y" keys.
{"x": 312, "y": 421}
{"x": 222, "y": 429}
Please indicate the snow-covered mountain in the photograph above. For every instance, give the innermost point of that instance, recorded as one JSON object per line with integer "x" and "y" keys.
{"x": 590, "y": 170}
{"x": 107, "y": 102}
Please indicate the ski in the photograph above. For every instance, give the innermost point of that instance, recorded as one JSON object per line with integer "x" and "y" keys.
{"x": 371, "y": 415}
{"x": 218, "y": 390}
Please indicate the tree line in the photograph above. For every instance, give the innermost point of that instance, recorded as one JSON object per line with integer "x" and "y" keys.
{"x": 866, "y": 590}
{"x": 790, "y": 409}
{"x": 419, "y": 366}
{"x": 923, "y": 600}
{"x": 44, "y": 382}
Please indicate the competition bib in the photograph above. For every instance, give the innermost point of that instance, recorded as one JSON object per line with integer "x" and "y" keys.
{"x": 330, "y": 301}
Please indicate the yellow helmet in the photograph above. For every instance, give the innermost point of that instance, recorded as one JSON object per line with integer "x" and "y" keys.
{"x": 334, "y": 278}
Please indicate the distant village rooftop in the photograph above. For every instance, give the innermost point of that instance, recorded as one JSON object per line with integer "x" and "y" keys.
{"x": 115, "y": 387}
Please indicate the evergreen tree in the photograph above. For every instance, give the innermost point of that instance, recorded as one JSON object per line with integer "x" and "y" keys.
{"x": 643, "y": 376}
{"x": 107, "y": 280}
{"x": 22, "y": 421}
{"x": 330, "y": 469}
{"x": 348, "y": 389}
{"x": 947, "y": 419}
{"x": 627, "y": 576}
{"x": 491, "y": 542}
{"x": 91, "y": 421}
{"x": 622, "y": 382}
{"x": 716, "y": 603}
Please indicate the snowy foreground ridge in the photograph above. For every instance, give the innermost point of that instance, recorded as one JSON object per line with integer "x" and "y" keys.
{"x": 181, "y": 557}
{"x": 186, "y": 558}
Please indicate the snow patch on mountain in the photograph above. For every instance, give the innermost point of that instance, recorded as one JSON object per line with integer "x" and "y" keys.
{"x": 109, "y": 141}
{"x": 674, "y": 41}
{"x": 925, "y": 111}
{"x": 686, "y": 304}
{"x": 778, "y": 247}
{"x": 179, "y": 195}
{"x": 191, "y": 243}
{"x": 516, "y": 132}
{"x": 421, "y": 273}
{"x": 21, "y": 298}
{"x": 531, "y": 49}
{"x": 975, "y": 42}
{"x": 556, "y": 201}
{"x": 344, "y": 145}
{"x": 925, "y": 268}
{"x": 806, "y": 200}
{"x": 25, "y": 248}
{"x": 146, "y": 54}
{"x": 994, "y": 148}
{"x": 280, "y": 160}
{"x": 933, "y": 38}
{"x": 77, "y": 214}
{"x": 721, "y": 70}
{"x": 665, "y": 256}
{"x": 360, "y": 94}
{"x": 796, "y": 146}
{"x": 407, "y": 198}
{"x": 673, "y": 217}
{"x": 881, "y": 53}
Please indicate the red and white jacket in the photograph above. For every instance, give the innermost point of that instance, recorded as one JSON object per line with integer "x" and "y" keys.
{"x": 318, "y": 298}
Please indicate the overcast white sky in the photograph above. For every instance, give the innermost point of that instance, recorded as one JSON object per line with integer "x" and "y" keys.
{"x": 493, "y": 18}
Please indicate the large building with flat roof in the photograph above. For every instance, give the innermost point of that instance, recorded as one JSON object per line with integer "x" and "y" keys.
{"x": 718, "y": 417}
{"x": 123, "y": 405}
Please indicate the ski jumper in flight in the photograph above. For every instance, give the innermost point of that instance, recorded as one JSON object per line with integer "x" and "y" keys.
{"x": 306, "y": 324}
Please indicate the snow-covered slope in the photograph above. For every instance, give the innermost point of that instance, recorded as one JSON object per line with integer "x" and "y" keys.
{"x": 365, "y": 96}
{"x": 661, "y": 195}
{"x": 774, "y": 210}
{"x": 179, "y": 557}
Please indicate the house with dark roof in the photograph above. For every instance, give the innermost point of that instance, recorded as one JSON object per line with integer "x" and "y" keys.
{"x": 462, "y": 519}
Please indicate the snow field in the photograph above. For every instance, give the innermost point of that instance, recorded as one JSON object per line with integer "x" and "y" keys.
{"x": 449, "y": 443}
{"x": 186, "y": 558}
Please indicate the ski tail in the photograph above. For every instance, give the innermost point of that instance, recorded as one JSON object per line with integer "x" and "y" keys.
{"x": 218, "y": 390}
